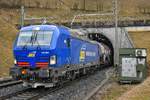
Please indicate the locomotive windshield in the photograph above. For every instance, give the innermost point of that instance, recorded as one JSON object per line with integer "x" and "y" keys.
{"x": 34, "y": 38}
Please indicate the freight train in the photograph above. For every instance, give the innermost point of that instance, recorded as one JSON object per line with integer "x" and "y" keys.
{"x": 47, "y": 55}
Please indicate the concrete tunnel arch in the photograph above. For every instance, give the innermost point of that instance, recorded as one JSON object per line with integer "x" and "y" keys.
{"x": 103, "y": 39}
{"x": 108, "y": 34}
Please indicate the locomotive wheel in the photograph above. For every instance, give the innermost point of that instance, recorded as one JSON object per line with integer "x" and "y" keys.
{"x": 73, "y": 75}
{"x": 55, "y": 79}
{"x": 68, "y": 75}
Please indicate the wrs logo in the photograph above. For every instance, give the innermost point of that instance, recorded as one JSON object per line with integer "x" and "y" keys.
{"x": 82, "y": 53}
{"x": 32, "y": 54}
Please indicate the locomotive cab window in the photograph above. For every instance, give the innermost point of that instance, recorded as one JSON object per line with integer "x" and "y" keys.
{"x": 37, "y": 38}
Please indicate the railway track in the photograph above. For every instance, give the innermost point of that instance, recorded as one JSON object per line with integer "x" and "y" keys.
{"x": 31, "y": 93}
{"x": 69, "y": 90}
{"x": 35, "y": 94}
{"x": 4, "y": 80}
{"x": 9, "y": 86}
{"x": 8, "y": 83}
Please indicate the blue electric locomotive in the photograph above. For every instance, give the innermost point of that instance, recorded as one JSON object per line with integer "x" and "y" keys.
{"x": 49, "y": 54}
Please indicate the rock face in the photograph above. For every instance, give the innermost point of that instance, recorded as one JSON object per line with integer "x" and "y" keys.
{"x": 88, "y": 5}
{"x": 31, "y": 3}
{"x": 10, "y": 3}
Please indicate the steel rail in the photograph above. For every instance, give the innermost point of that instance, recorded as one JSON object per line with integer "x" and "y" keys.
{"x": 10, "y": 83}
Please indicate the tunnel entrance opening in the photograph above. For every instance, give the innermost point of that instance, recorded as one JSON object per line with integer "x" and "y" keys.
{"x": 104, "y": 40}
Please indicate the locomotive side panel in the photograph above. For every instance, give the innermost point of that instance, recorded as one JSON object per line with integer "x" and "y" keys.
{"x": 62, "y": 51}
{"x": 83, "y": 52}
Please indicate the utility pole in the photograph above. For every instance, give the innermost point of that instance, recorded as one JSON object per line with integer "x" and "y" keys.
{"x": 84, "y": 5}
{"x": 22, "y": 16}
{"x": 97, "y": 5}
{"x": 116, "y": 51}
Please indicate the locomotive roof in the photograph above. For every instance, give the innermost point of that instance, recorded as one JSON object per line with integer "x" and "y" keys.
{"x": 74, "y": 33}
{"x": 42, "y": 27}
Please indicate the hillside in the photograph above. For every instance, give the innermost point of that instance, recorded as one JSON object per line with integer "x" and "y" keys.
{"x": 7, "y": 36}
{"x": 140, "y": 92}
{"x": 141, "y": 40}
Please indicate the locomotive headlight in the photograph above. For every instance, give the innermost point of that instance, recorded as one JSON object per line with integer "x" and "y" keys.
{"x": 15, "y": 61}
{"x": 53, "y": 60}
{"x": 24, "y": 72}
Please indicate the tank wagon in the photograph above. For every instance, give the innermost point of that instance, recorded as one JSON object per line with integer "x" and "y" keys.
{"x": 47, "y": 55}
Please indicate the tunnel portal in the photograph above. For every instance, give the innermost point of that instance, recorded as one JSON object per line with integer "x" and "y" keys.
{"x": 103, "y": 39}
